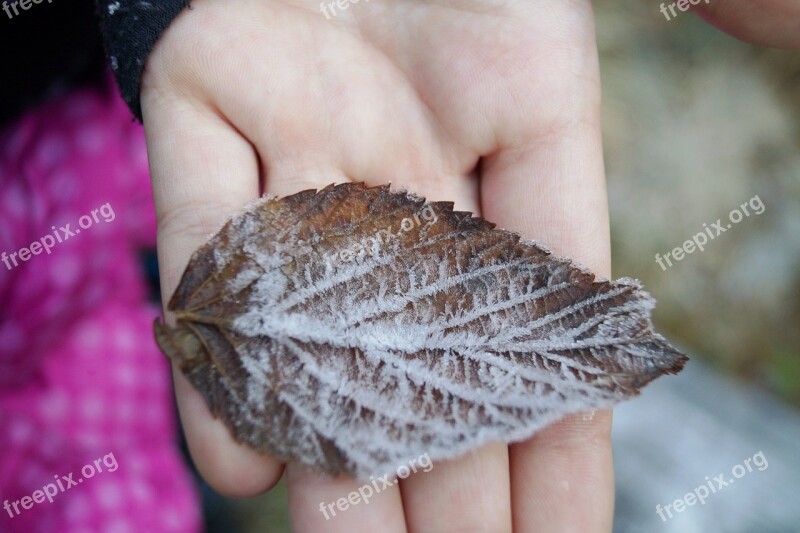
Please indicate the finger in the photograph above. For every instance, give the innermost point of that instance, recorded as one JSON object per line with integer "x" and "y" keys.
{"x": 562, "y": 479}
{"x": 319, "y": 503}
{"x": 769, "y": 23}
{"x": 549, "y": 185}
{"x": 470, "y": 493}
{"x": 202, "y": 171}
{"x": 554, "y": 193}
{"x": 462, "y": 494}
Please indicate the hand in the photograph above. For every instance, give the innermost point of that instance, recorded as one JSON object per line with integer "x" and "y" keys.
{"x": 491, "y": 104}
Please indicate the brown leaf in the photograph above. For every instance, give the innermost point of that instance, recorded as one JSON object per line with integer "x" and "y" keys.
{"x": 354, "y": 328}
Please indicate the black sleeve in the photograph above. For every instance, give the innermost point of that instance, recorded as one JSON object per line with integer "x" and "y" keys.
{"x": 130, "y": 29}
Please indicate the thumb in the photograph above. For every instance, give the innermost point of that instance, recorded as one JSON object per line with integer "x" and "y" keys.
{"x": 202, "y": 171}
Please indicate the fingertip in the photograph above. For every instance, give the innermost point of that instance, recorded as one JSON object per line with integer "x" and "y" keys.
{"x": 230, "y": 468}
{"x": 770, "y": 23}
{"x": 563, "y": 477}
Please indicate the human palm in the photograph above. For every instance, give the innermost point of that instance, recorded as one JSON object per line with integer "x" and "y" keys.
{"x": 491, "y": 104}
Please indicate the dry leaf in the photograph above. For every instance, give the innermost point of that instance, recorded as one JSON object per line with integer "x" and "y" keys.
{"x": 354, "y": 328}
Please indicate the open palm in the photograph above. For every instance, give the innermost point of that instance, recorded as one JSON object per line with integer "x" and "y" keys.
{"x": 491, "y": 104}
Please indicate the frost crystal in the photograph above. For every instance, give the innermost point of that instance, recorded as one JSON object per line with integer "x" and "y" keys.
{"x": 315, "y": 341}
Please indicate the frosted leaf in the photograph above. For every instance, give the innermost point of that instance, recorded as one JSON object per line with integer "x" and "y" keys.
{"x": 354, "y": 328}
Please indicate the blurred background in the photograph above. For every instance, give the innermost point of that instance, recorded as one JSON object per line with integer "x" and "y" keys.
{"x": 695, "y": 124}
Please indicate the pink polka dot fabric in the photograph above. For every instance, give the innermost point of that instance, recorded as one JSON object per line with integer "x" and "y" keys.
{"x": 81, "y": 379}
